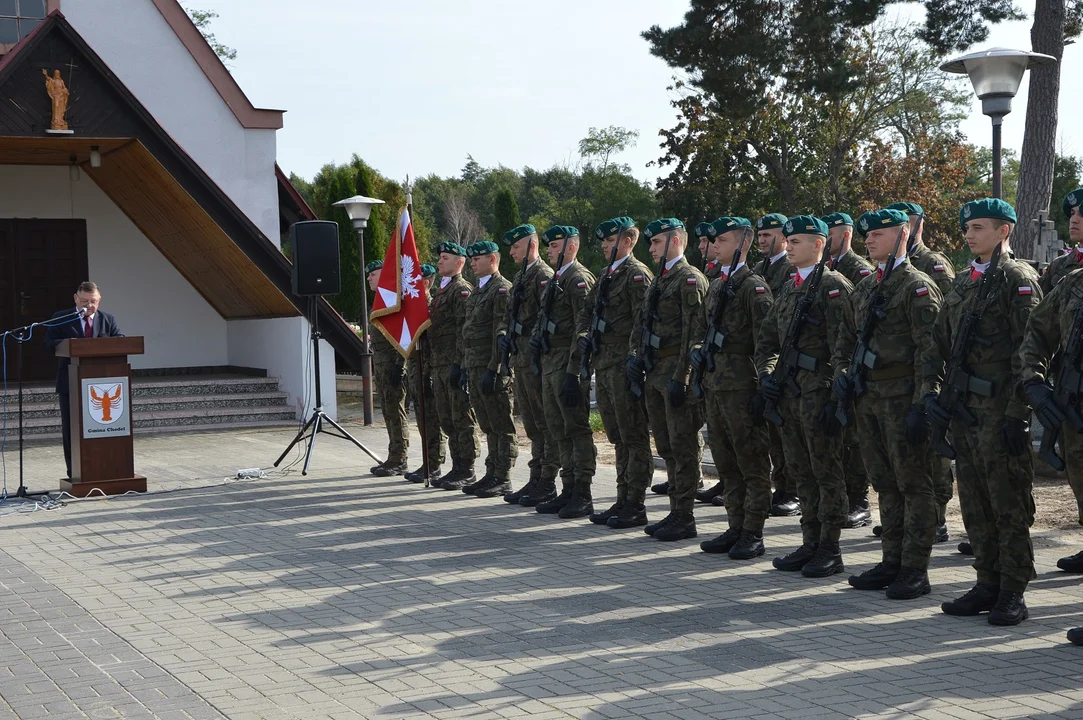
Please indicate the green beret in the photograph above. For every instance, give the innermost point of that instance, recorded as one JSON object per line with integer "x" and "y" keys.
{"x": 613, "y": 226}
{"x": 451, "y": 248}
{"x": 482, "y": 247}
{"x": 703, "y": 229}
{"x": 427, "y": 270}
{"x": 725, "y": 224}
{"x": 374, "y": 265}
{"x": 804, "y": 224}
{"x": 772, "y": 220}
{"x": 559, "y": 232}
{"x": 517, "y": 233}
{"x": 1072, "y": 200}
{"x": 907, "y": 207}
{"x": 662, "y": 225}
{"x": 875, "y": 219}
{"x": 993, "y": 208}
{"x": 838, "y": 219}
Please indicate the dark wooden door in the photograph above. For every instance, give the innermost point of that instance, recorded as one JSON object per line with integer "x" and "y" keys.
{"x": 41, "y": 264}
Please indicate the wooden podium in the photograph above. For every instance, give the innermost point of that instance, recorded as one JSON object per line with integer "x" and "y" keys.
{"x": 99, "y": 383}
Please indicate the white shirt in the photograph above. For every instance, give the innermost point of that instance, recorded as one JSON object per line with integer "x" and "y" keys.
{"x": 898, "y": 261}
{"x": 980, "y": 267}
{"x": 561, "y": 271}
{"x": 483, "y": 280}
{"x": 804, "y": 272}
{"x": 776, "y": 258}
{"x": 444, "y": 281}
{"x": 674, "y": 261}
{"x": 532, "y": 264}
{"x": 617, "y": 263}
{"x": 725, "y": 270}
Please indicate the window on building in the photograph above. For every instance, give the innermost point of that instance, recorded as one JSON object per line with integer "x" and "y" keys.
{"x": 18, "y": 18}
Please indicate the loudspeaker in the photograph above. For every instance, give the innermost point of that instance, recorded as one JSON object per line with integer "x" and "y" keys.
{"x": 315, "y": 258}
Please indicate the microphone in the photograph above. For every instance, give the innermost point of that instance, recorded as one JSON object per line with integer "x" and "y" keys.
{"x": 81, "y": 311}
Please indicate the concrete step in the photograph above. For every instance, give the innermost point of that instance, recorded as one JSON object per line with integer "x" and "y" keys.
{"x": 185, "y": 386}
{"x": 171, "y": 419}
{"x": 155, "y": 403}
{"x": 46, "y": 437}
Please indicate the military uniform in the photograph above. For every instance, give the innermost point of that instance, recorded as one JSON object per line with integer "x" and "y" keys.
{"x": 388, "y": 368}
{"x": 716, "y": 493}
{"x": 812, "y": 456}
{"x": 895, "y": 388}
{"x": 994, "y": 483}
{"x": 1059, "y": 267}
{"x": 675, "y": 417}
{"x": 448, "y": 313}
{"x": 568, "y": 422}
{"x": 623, "y": 415}
{"x": 486, "y": 317}
{"x": 432, "y": 435}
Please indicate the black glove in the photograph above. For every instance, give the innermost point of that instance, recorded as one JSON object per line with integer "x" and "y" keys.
{"x": 917, "y": 425}
{"x": 1040, "y": 397}
{"x": 1015, "y": 436}
{"x": 464, "y": 381}
{"x": 395, "y": 378}
{"x": 488, "y": 382}
{"x": 756, "y": 406}
{"x": 583, "y": 343}
{"x": 676, "y": 392}
{"x": 455, "y": 374}
{"x": 843, "y": 387}
{"x": 632, "y": 370}
{"x": 571, "y": 392}
{"x": 536, "y": 343}
{"x": 770, "y": 389}
{"x": 698, "y": 357}
{"x": 831, "y": 425}
{"x": 935, "y": 412}
{"x": 503, "y": 342}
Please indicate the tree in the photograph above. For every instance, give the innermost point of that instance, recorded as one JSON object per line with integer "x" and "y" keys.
{"x": 602, "y": 144}
{"x": 462, "y": 224}
{"x": 505, "y": 217}
{"x": 1066, "y": 178}
{"x": 202, "y": 20}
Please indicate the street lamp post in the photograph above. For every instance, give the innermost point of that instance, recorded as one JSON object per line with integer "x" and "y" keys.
{"x": 996, "y": 74}
{"x": 359, "y": 208}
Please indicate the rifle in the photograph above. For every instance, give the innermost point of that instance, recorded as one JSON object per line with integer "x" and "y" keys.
{"x": 715, "y": 339}
{"x": 863, "y": 357}
{"x": 914, "y": 234}
{"x": 648, "y": 341}
{"x": 1066, "y": 393}
{"x": 957, "y": 381}
{"x": 515, "y": 328}
{"x": 767, "y": 259}
{"x": 597, "y": 316}
{"x": 791, "y": 359}
{"x": 545, "y": 326}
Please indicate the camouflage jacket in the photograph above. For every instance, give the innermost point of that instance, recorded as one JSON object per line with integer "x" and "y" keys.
{"x": 818, "y": 336}
{"x": 532, "y": 285}
{"x": 681, "y": 292}
{"x": 778, "y": 274}
{"x": 486, "y": 313}
{"x": 1014, "y": 295}
{"x": 626, "y": 291}
{"x": 712, "y": 270}
{"x": 1060, "y": 267}
{"x": 852, "y": 266}
{"x": 448, "y": 312}
{"x": 1049, "y": 326}
{"x": 571, "y": 288}
{"x": 384, "y": 355}
{"x": 900, "y": 339}
{"x": 735, "y": 369}
{"x": 935, "y": 265}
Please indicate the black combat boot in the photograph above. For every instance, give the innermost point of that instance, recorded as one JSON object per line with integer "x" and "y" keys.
{"x": 719, "y": 501}
{"x": 942, "y": 534}
{"x": 909, "y": 584}
{"x": 877, "y": 577}
{"x": 795, "y": 560}
{"x": 581, "y": 504}
{"x": 1009, "y": 610}
{"x": 656, "y": 526}
{"x": 827, "y": 561}
{"x": 544, "y": 491}
{"x": 554, "y": 505}
{"x": 458, "y": 478}
{"x": 787, "y": 506}
{"x": 389, "y": 469}
{"x": 515, "y": 497}
{"x": 633, "y": 514}
{"x": 1075, "y": 636}
{"x": 859, "y": 515}
{"x": 965, "y": 548}
{"x": 473, "y": 487}
{"x": 722, "y": 543}
{"x": 878, "y": 530}
{"x": 602, "y": 518}
{"x": 749, "y": 545}
{"x": 978, "y": 599}
{"x": 682, "y": 527}
{"x": 1072, "y": 563}
{"x": 416, "y": 476}
{"x": 496, "y": 487}
{"x": 661, "y": 488}
{"x": 716, "y": 490}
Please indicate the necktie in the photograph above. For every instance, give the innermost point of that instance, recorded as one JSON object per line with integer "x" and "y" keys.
{"x": 879, "y": 274}
{"x": 89, "y": 329}
{"x": 710, "y": 266}
{"x": 1078, "y": 255}
{"x": 797, "y": 280}
{"x": 975, "y": 274}
{"x": 725, "y": 276}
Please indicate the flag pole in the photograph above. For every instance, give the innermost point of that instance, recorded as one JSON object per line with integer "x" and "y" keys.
{"x": 421, "y": 425}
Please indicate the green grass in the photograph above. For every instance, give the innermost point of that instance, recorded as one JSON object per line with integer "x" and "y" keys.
{"x": 595, "y": 421}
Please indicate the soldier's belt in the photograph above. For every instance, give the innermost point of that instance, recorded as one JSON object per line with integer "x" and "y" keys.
{"x": 971, "y": 382}
{"x": 560, "y": 342}
{"x": 892, "y": 372}
{"x": 801, "y": 360}
{"x": 671, "y": 351}
{"x": 738, "y": 349}
{"x": 480, "y": 342}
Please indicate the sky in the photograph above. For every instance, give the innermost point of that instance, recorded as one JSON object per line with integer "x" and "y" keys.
{"x": 414, "y": 88}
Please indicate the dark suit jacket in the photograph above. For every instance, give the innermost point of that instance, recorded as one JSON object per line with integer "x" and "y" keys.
{"x": 105, "y": 325}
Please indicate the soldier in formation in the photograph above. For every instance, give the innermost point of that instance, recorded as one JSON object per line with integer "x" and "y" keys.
{"x": 388, "y": 369}
{"x": 419, "y": 369}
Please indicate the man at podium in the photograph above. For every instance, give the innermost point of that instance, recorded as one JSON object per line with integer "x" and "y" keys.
{"x": 94, "y": 323}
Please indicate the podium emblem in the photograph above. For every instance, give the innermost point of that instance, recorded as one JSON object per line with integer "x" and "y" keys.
{"x": 105, "y": 407}
{"x": 106, "y": 403}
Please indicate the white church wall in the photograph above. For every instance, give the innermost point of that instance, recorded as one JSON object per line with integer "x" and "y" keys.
{"x": 136, "y": 42}
{"x": 139, "y": 286}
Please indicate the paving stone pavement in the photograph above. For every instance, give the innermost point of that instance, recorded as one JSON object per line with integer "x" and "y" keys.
{"x": 340, "y": 595}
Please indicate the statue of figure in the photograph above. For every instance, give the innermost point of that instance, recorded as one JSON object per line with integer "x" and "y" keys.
{"x": 59, "y": 93}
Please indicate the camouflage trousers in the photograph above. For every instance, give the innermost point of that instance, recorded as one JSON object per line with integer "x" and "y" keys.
{"x": 456, "y": 418}
{"x": 1071, "y": 448}
{"x": 626, "y": 427}
{"x": 740, "y": 450}
{"x": 815, "y": 460}
{"x": 996, "y": 500}
{"x": 781, "y": 479}
{"x": 900, "y": 476}
{"x": 544, "y": 455}
{"x": 433, "y": 436}
{"x": 857, "y": 480}
{"x": 570, "y": 428}
{"x": 392, "y": 389}
{"x": 494, "y": 418}
{"x": 676, "y": 437}
{"x": 943, "y": 482}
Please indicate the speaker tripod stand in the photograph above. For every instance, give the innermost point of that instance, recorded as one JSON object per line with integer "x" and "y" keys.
{"x": 315, "y": 424}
